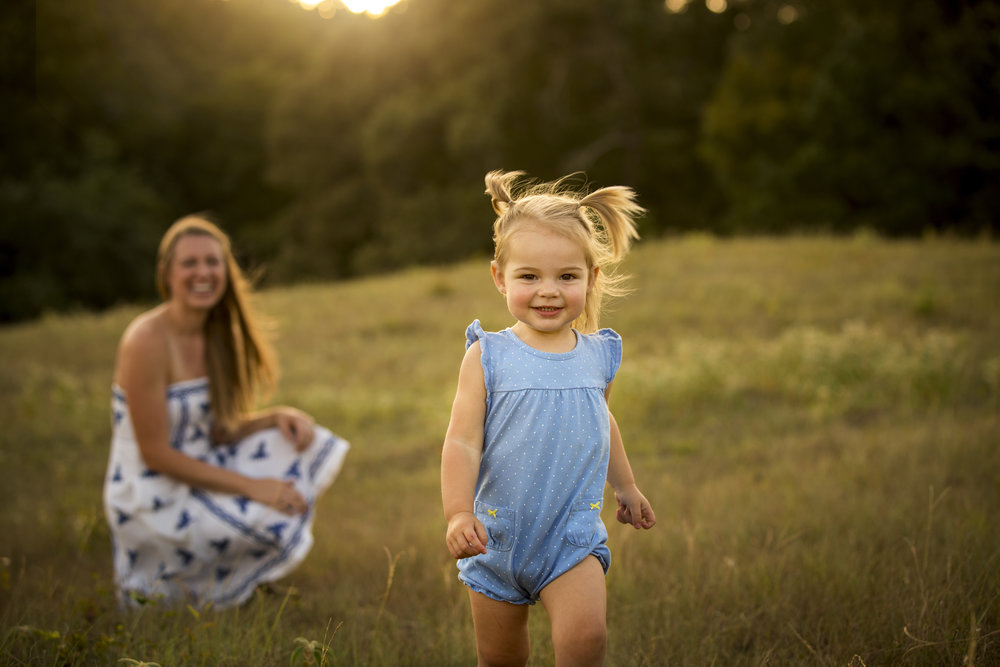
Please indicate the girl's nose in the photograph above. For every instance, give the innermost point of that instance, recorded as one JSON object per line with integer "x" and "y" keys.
{"x": 548, "y": 288}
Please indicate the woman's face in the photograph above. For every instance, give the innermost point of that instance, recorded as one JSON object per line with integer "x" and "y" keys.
{"x": 197, "y": 273}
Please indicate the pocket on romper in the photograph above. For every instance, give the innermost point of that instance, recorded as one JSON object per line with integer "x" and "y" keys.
{"x": 499, "y": 524}
{"x": 584, "y": 518}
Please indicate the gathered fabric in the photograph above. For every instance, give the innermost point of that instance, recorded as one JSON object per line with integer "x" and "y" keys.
{"x": 546, "y": 448}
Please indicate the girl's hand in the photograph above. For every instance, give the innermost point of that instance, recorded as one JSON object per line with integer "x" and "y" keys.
{"x": 466, "y": 535}
{"x": 296, "y": 426}
{"x": 279, "y": 494}
{"x": 633, "y": 508}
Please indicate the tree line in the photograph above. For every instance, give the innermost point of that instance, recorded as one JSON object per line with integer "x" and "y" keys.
{"x": 344, "y": 146}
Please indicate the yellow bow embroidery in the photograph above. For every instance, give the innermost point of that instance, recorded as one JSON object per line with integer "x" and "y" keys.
{"x": 492, "y": 512}
{"x": 595, "y": 506}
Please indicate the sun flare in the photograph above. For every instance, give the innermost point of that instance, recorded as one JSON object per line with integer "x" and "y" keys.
{"x": 371, "y": 7}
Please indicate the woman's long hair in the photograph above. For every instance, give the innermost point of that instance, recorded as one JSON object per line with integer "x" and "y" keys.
{"x": 240, "y": 362}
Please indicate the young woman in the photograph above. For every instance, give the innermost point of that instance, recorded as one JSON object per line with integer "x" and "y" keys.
{"x": 206, "y": 498}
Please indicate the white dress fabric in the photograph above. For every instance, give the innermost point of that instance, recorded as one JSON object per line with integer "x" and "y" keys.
{"x": 179, "y": 544}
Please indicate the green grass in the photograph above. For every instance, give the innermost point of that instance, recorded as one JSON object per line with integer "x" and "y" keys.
{"x": 816, "y": 422}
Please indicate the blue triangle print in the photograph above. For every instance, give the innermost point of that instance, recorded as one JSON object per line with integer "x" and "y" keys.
{"x": 278, "y": 529}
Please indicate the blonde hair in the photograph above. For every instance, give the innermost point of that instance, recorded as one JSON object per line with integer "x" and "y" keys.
{"x": 241, "y": 364}
{"x": 602, "y": 222}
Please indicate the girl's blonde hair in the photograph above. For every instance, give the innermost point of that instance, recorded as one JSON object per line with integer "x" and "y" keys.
{"x": 241, "y": 364}
{"x": 602, "y": 222}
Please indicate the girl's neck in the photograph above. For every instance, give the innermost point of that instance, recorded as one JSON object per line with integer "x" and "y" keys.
{"x": 559, "y": 342}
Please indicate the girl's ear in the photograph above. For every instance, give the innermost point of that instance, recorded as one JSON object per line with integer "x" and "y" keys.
{"x": 593, "y": 278}
{"x": 498, "y": 278}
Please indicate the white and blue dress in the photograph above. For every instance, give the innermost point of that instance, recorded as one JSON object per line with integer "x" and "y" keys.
{"x": 544, "y": 464}
{"x": 181, "y": 544}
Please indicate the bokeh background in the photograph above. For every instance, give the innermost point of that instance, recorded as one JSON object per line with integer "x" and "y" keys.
{"x": 334, "y": 144}
{"x": 810, "y": 393}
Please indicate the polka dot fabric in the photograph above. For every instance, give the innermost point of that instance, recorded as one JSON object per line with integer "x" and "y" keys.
{"x": 545, "y": 461}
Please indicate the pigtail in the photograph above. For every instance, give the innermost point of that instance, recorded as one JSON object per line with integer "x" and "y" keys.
{"x": 616, "y": 209}
{"x": 610, "y": 213}
{"x": 500, "y": 187}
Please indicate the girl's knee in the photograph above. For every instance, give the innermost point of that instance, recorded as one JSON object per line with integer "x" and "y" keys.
{"x": 502, "y": 656}
{"x": 587, "y": 634}
{"x": 581, "y": 653}
{"x": 585, "y": 643}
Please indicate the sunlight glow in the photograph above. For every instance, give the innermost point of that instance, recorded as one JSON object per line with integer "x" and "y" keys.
{"x": 676, "y": 6}
{"x": 788, "y": 14}
{"x": 373, "y": 7}
{"x": 328, "y": 7}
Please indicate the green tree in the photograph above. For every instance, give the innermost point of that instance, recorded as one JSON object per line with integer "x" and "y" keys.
{"x": 407, "y": 113}
{"x": 879, "y": 114}
{"x": 132, "y": 115}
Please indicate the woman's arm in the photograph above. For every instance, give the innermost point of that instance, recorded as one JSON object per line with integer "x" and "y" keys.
{"x": 142, "y": 375}
{"x": 460, "y": 458}
{"x": 633, "y": 507}
{"x": 296, "y": 425}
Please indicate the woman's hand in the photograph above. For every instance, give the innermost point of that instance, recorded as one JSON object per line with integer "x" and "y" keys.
{"x": 633, "y": 508}
{"x": 279, "y": 494}
{"x": 466, "y": 535}
{"x": 296, "y": 426}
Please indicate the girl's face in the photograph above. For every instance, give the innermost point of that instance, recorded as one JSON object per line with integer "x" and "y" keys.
{"x": 546, "y": 282}
{"x": 197, "y": 272}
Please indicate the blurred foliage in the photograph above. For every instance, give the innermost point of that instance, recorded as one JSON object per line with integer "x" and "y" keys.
{"x": 882, "y": 114}
{"x": 336, "y": 147}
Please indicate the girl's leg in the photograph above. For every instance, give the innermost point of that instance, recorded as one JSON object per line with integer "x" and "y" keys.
{"x": 501, "y": 631}
{"x": 577, "y": 606}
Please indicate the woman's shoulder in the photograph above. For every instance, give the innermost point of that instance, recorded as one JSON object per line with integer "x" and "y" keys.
{"x": 146, "y": 329}
{"x": 144, "y": 341}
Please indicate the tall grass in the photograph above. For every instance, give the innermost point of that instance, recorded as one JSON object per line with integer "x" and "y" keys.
{"x": 815, "y": 421}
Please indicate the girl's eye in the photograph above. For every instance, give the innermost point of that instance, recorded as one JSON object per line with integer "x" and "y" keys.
{"x": 528, "y": 276}
{"x": 568, "y": 276}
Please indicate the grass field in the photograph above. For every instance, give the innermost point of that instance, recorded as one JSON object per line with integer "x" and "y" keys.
{"x": 816, "y": 422}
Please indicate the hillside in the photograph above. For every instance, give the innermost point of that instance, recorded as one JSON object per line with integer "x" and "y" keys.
{"x": 815, "y": 421}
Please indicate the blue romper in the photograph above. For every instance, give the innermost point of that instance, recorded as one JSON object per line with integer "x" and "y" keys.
{"x": 544, "y": 464}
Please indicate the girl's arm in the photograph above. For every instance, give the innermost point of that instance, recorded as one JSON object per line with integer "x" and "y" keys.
{"x": 460, "y": 457}
{"x": 142, "y": 375}
{"x": 633, "y": 507}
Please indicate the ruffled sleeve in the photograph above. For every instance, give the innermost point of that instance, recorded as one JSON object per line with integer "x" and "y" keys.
{"x": 612, "y": 343}
{"x": 473, "y": 333}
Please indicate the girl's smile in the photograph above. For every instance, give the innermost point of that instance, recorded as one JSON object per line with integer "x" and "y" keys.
{"x": 546, "y": 281}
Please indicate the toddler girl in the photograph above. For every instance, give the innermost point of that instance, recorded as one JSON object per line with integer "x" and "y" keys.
{"x": 531, "y": 441}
